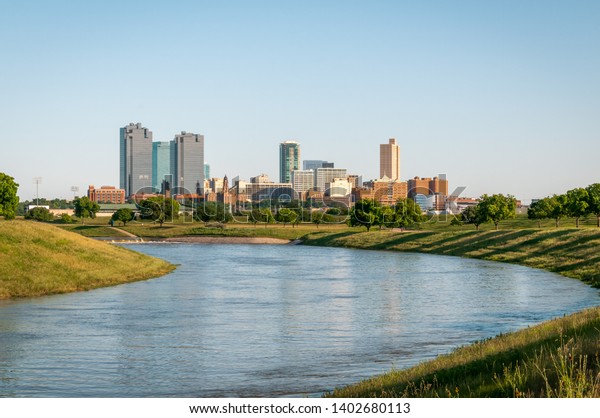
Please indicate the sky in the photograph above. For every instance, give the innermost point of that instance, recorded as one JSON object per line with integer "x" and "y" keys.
{"x": 501, "y": 96}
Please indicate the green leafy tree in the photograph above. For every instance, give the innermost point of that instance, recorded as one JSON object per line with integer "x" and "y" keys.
{"x": 456, "y": 221}
{"x": 406, "y": 212}
{"x": 497, "y": 207}
{"x": 169, "y": 207}
{"x": 286, "y": 216}
{"x": 316, "y": 217}
{"x": 385, "y": 216}
{"x": 262, "y": 215}
{"x": 8, "y": 196}
{"x": 213, "y": 212}
{"x": 539, "y": 210}
{"x": 577, "y": 204}
{"x": 557, "y": 207}
{"x": 472, "y": 216}
{"x": 153, "y": 210}
{"x": 593, "y": 191}
{"x": 85, "y": 208}
{"x": 364, "y": 213}
{"x": 39, "y": 214}
{"x": 123, "y": 215}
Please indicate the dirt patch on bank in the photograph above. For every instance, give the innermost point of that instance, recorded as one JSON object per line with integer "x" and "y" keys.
{"x": 228, "y": 240}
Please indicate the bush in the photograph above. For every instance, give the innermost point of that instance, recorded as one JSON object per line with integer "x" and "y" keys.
{"x": 65, "y": 218}
{"x": 39, "y": 214}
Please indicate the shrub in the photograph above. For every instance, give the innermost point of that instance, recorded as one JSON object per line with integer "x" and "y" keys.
{"x": 39, "y": 214}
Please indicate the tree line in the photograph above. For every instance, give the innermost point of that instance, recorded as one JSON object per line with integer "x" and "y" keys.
{"x": 575, "y": 203}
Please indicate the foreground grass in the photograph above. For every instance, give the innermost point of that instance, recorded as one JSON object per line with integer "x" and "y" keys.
{"x": 558, "y": 358}
{"x": 40, "y": 259}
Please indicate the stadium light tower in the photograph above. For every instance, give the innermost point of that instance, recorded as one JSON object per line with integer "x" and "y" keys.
{"x": 37, "y": 181}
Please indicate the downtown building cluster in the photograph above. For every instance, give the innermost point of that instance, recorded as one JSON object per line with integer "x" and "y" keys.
{"x": 177, "y": 169}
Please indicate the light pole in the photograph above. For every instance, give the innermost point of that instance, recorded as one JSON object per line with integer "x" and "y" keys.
{"x": 37, "y": 181}
{"x": 74, "y": 189}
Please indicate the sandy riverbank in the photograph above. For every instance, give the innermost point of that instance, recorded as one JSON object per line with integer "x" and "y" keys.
{"x": 228, "y": 240}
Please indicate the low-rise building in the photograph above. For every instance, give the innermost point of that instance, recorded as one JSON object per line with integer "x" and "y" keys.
{"x": 106, "y": 194}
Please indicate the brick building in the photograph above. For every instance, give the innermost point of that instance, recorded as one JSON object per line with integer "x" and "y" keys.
{"x": 106, "y": 194}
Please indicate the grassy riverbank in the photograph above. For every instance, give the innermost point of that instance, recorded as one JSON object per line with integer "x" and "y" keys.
{"x": 570, "y": 252}
{"x": 39, "y": 259}
{"x": 558, "y": 358}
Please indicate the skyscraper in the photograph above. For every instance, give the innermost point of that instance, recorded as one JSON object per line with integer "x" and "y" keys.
{"x": 289, "y": 160}
{"x": 206, "y": 170}
{"x": 389, "y": 160}
{"x": 188, "y": 163}
{"x": 135, "y": 168}
{"x": 161, "y": 164}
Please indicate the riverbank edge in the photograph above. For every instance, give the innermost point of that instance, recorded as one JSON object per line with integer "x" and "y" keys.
{"x": 38, "y": 259}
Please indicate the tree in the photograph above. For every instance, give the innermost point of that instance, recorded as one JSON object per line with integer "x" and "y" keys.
{"x": 497, "y": 207}
{"x": 286, "y": 215}
{"x": 557, "y": 207}
{"x": 8, "y": 196}
{"x": 539, "y": 210}
{"x": 577, "y": 204}
{"x": 593, "y": 191}
{"x": 213, "y": 212}
{"x": 472, "y": 215}
{"x": 316, "y": 217}
{"x": 364, "y": 213}
{"x": 456, "y": 221}
{"x": 169, "y": 207}
{"x": 40, "y": 214}
{"x": 385, "y": 216}
{"x": 123, "y": 214}
{"x": 153, "y": 210}
{"x": 406, "y": 212}
{"x": 85, "y": 208}
{"x": 261, "y": 215}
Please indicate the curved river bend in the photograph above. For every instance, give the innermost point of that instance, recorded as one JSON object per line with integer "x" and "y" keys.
{"x": 261, "y": 320}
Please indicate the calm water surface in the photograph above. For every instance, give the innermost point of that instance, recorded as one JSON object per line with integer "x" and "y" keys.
{"x": 260, "y": 320}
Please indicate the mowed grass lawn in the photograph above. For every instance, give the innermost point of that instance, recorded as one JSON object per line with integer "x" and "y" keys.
{"x": 40, "y": 259}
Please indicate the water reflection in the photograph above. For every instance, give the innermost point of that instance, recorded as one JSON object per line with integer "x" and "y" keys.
{"x": 243, "y": 320}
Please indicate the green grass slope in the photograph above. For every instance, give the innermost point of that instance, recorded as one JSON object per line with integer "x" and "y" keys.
{"x": 40, "y": 259}
{"x": 570, "y": 252}
{"x": 558, "y": 358}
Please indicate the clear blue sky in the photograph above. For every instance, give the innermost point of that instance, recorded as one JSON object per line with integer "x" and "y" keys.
{"x": 502, "y": 96}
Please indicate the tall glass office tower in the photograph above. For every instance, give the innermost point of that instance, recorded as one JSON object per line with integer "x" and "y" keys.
{"x": 289, "y": 160}
{"x": 161, "y": 164}
{"x": 188, "y": 163}
{"x": 135, "y": 168}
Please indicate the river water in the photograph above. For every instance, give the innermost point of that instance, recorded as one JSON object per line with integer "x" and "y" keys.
{"x": 263, "y": 320}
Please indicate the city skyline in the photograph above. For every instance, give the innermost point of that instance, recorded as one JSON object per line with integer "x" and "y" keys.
{"x": 503, "y": 98}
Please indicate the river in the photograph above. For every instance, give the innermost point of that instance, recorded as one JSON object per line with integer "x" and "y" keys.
{"x": 267, "y": 320}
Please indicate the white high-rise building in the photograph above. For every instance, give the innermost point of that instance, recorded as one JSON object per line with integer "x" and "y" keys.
{"x": 326, "y": 175}
{"x": 303, "y": 180}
